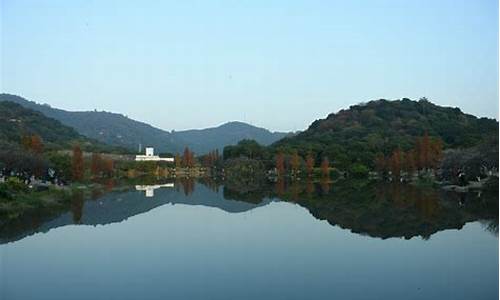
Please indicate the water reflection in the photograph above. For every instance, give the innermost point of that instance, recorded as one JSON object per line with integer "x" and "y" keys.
{"x": 77, "y": 206}
{"x": 381, "y": 210}
{"x": 149, "y": 190}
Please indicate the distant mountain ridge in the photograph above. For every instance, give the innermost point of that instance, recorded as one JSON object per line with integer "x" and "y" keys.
{"x": 119, "y": 130}
{"x": 204, "y": 140}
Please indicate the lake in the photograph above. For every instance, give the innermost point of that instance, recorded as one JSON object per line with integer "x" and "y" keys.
{"x": 205, "y": 240}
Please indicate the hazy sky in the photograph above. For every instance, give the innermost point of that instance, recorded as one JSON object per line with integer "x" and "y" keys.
{"x": 276, "y": 64}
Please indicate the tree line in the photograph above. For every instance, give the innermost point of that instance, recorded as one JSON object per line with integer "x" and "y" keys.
{"x": 424, "y": 156}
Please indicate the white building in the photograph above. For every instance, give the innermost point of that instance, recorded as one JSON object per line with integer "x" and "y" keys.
{"x": 150, "y": 156}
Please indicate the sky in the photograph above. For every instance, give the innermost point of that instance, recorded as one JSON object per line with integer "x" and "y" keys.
{"x": 275, "y": 64}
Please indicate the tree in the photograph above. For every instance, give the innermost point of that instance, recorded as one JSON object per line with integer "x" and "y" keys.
{"x": 380, "y": 163}
{"x": 435, "y": 153}
{"x": 108, "y": 167}
{"x": 295, "y": 162}
{"x": 32, "y": 143}
{"x": 95, "y": 164}
{"x": 77, "y": 165}
{"x": 26, "y": 142}
{"x": 280, "y": 164}
{"x": 188, "y": 158}
{"x": 409, "y": 164}
{"x": 36, "y": 144}
{"x": 309, "y": 164}
{"x": 178, "y": 161}
{"x": 426, "y": 151}
{"x": 396, "y": 163}
{"x": 325, "y": 167}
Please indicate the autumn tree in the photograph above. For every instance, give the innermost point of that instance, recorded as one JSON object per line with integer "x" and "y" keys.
{"x": 95, "y": 164}
{"x": 295, "y": 162}
{"x": 178, "y": 161}
{"x": 426, "y": 151}
{"x": 380, "y": 163}
{"x": 211, "y": 158}
{"x": 309, "y": 164}
{"x": 409, "y": 163}
{"x": 36, "y": 144}
{"x": 188, "y": 158}
{"x": 280, "y": 164}
{"x": 77, "y": 165}
{"x": 32, "y": 143}
{"x": 108, "y": 167}
{"x": 26, "y": 142}
{"x": 396, "y": 163}
{"x": 435, "y": 153}
{"x": 325, "y": 167}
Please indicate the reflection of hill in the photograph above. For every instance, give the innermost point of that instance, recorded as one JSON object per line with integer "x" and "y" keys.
{"x": 117, "y": 207}
{"x": 387, "y": 210}
{"x": 374, "y": 209}
{"x": 399, "y": 211}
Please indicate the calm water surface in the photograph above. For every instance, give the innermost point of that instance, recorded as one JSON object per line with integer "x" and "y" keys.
{"x": 198, "y": 241}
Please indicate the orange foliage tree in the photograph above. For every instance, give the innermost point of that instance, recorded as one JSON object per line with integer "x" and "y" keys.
{"x": 77, "y": 165}
{"x": 280, "y": 164}
{"x": 32, "y": 143}
{"x": 295, "y": 162}
{"x": 396, "y": 162}
{"x": 325, "y": 167}
{"x": 188, "y": 158}
{"x": 309, "y": 164}
{"x": 36, "y": 144}
{"x": 95, "y": 164}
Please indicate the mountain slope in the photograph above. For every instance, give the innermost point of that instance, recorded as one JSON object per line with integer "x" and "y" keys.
{"x": 358, "y": 133}
{"x": 204, "y": 140}
{"x": 111, "y": 128}
{"x": 17, "y": 121}
{"x": 116, "y": 129}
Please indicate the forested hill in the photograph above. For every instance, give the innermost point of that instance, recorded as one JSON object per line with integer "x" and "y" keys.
{"x": 18, "y": 122}
{"x": 119, "y": 130}
{"x": 110, "y": 128}
{"x": 357, "y": 134}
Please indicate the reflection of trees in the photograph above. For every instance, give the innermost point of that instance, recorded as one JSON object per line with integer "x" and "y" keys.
{"x": 96, "y": 193}
{"x": 187, "y": 185}
{"x": 77, "y": 206}
{"x": 427, "y": 204}
{"x": 280, "y": 186}
{"x": 210, "y": 183}
{"x": 325, "y": 185}
{"x": 378, "y": 209}
{"x": 309, "y": 187}
{"x": 109, "y": 184}
{"x": 491, "y": 226}
{"x": 296, "y": 190}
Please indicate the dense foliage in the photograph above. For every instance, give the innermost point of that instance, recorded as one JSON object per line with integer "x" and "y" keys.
{"x": 18, "y": 122}
{"x": 358, "y": 134}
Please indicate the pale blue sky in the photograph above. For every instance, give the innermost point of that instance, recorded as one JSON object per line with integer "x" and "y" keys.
{"x": 276, "y": 64}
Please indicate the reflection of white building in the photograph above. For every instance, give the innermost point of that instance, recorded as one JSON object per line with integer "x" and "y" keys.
{"x": 150, "y": 189}
{"x": 150, "y": 156}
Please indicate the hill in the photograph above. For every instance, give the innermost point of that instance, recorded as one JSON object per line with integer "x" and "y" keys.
{"x": 119, "y": 130}
{"x": 110, "y": 128}
{"x": 204, "y": 140}
{"x": 17, "y": 121}
{"x": 357, "y": 134}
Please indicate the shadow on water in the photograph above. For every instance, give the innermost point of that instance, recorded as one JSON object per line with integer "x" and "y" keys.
{"x": 377, "y": 209}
